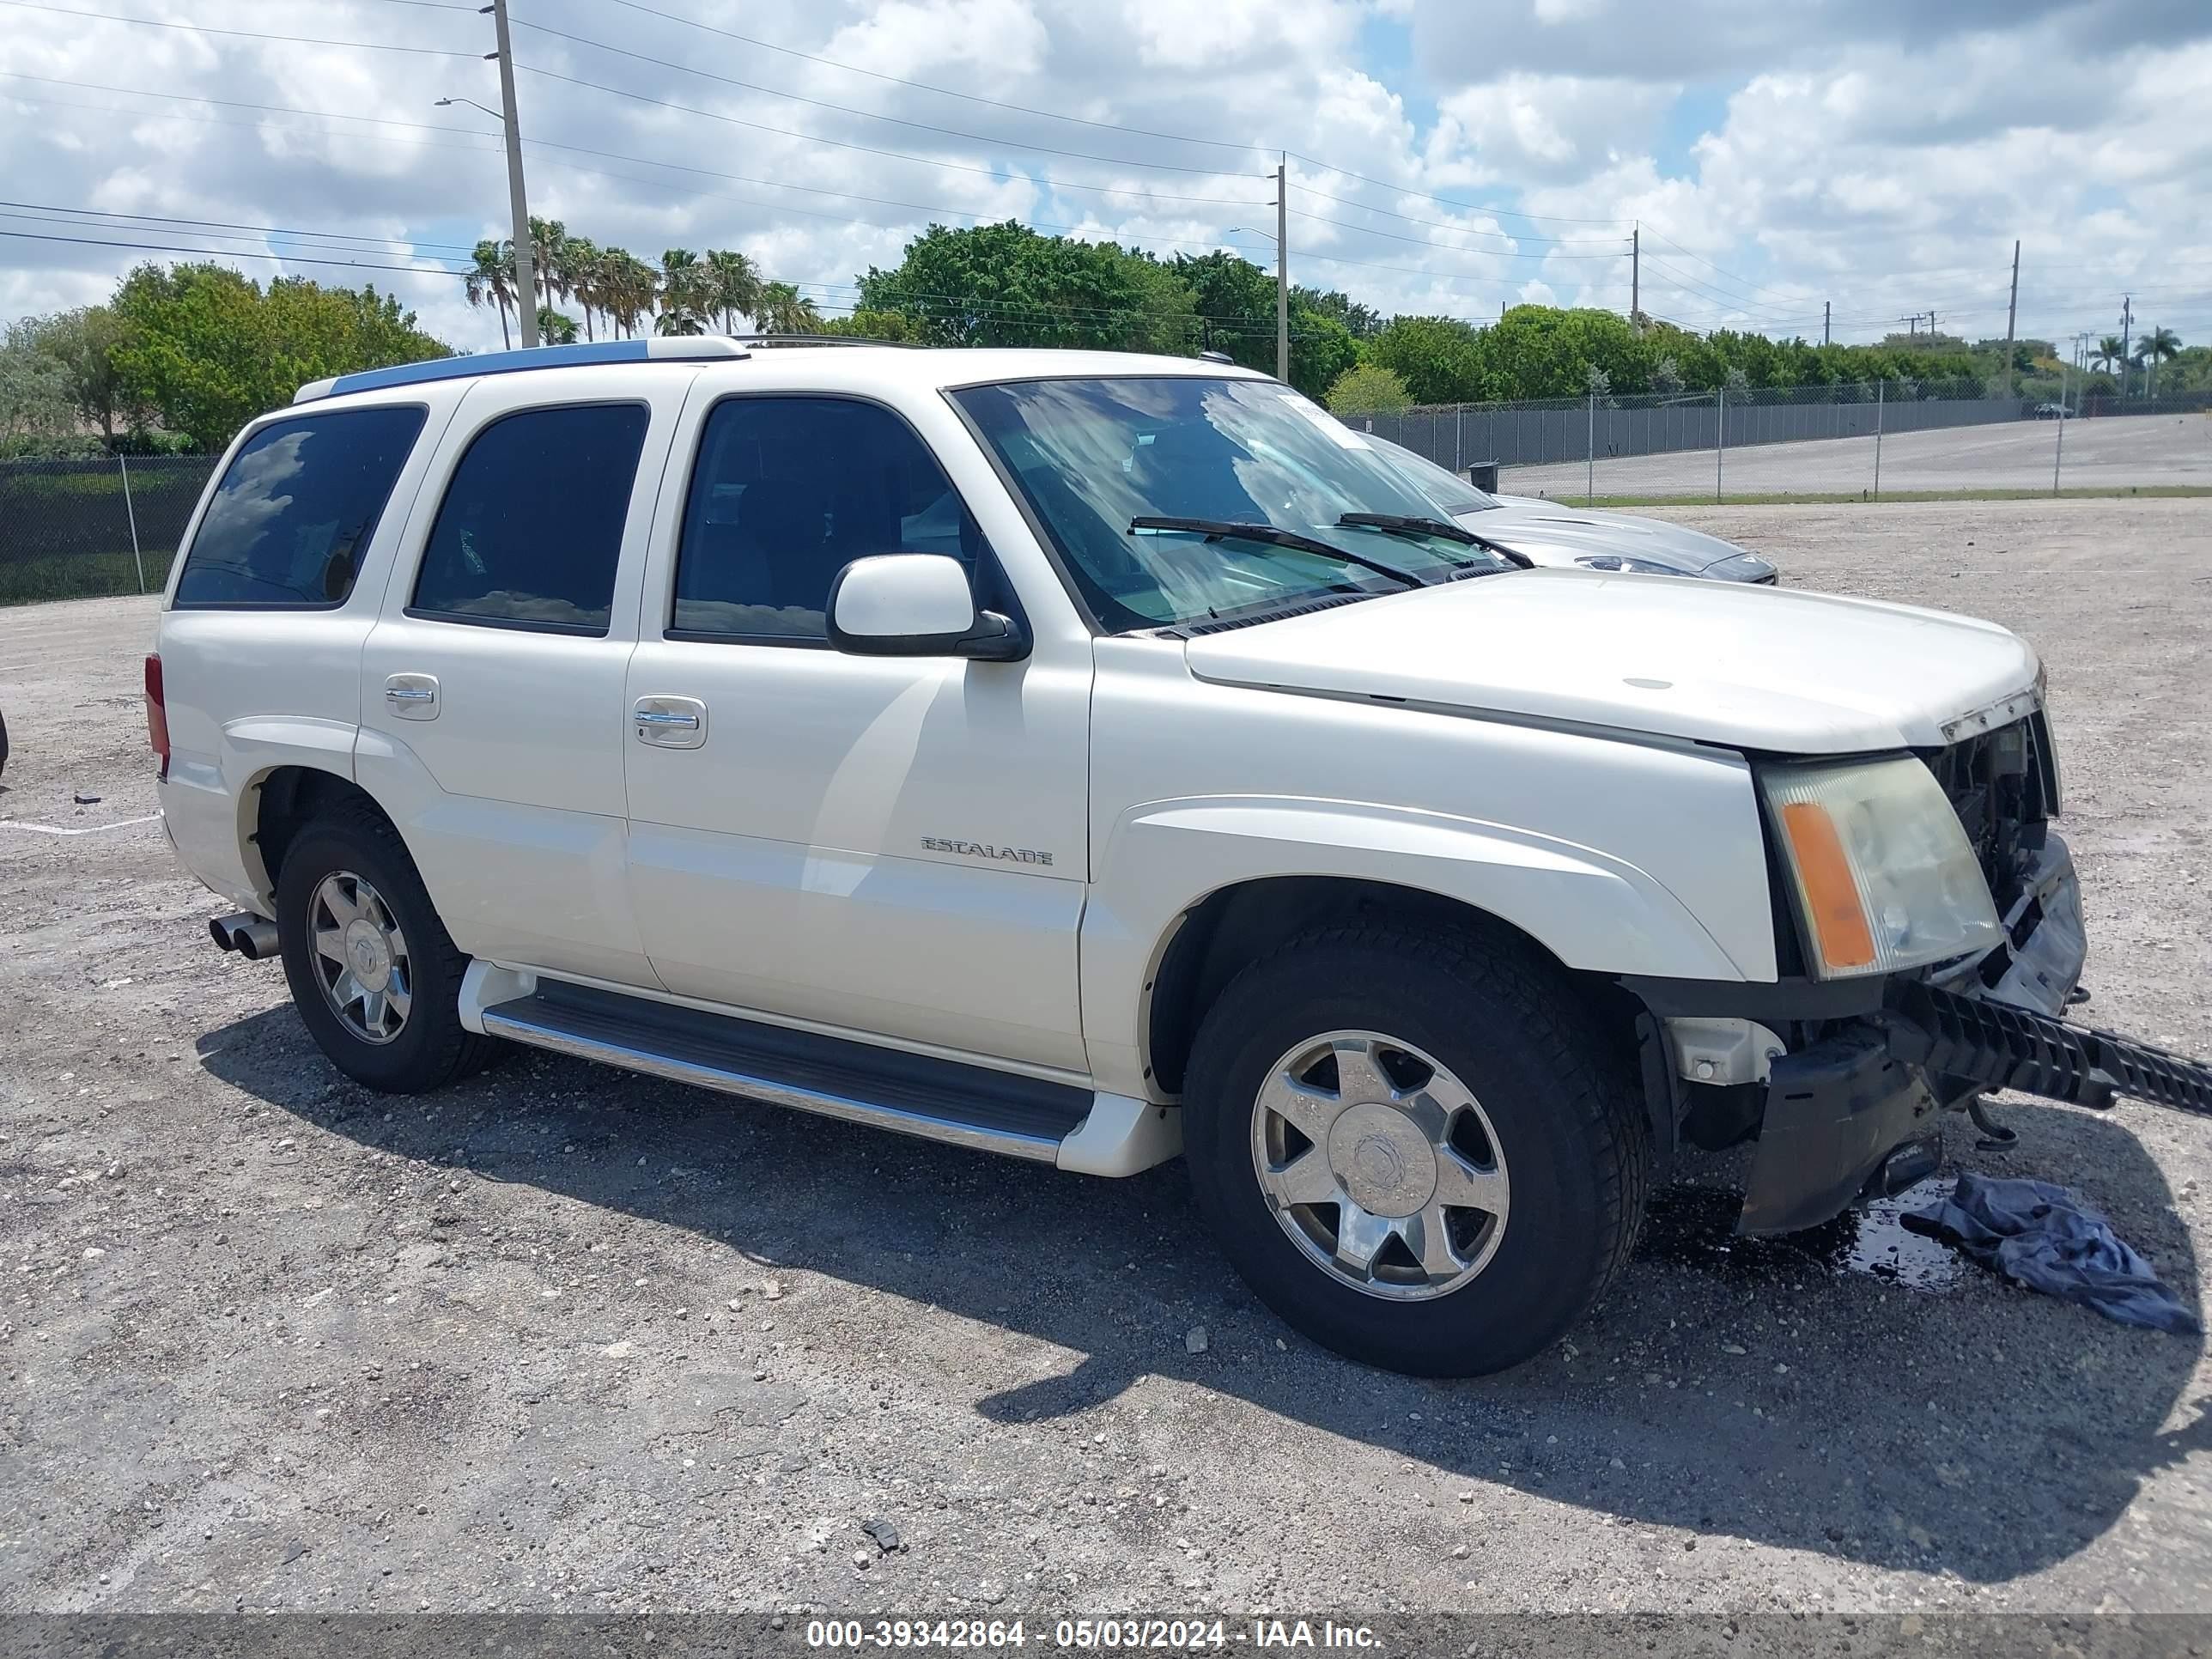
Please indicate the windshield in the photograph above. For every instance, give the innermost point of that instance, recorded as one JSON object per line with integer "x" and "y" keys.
{"x": 1452, "y": 493}
{"x": 1090, "y": 455}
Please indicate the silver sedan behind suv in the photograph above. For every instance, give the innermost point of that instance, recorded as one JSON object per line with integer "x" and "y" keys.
{"x": 1547, "y": 532}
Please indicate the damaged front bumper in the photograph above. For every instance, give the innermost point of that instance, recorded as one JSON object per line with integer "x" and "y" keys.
{"x": 1838, "y": 1109}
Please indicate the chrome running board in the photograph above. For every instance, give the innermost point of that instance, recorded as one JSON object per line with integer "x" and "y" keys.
{"x": 889, "y": 1089}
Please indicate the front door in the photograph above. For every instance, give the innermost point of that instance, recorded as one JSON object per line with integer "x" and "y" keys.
{"x": 891, "y": 847}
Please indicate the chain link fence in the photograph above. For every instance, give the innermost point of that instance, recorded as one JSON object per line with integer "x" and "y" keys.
{"x": 76, "y": 528}
{"x": 1829, "y": 440}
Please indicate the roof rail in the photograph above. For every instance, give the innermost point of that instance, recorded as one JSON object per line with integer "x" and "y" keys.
{"x": 668, "y": 348}
{"x": 815, "y": 339}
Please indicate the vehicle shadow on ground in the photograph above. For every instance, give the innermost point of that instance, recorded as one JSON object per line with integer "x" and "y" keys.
{"x": 1760, "y": 1394}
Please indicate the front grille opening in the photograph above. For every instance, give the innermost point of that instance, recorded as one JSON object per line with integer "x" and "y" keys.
{"x": 2002, "y": 785}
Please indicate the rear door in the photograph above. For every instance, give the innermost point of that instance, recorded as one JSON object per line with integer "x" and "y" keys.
{"x": 492, "y": 723}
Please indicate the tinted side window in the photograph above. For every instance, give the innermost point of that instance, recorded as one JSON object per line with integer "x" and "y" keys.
{"x": 295, "y": 508}
{"x": 787, "y": 491}
{"x": 531, "y": 529}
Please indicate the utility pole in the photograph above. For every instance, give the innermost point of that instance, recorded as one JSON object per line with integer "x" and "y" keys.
{"x": 2012, "y": 312}
{"x": 1827, "y": 307}
{"x": 2127, "y": 333}
{"x": 517, "y": 201}
{"x": 1636, "y": 276}
{"x": 1282, "y": 269}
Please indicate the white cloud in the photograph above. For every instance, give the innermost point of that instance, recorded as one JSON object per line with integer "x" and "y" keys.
{"x": 1881, "y": 154}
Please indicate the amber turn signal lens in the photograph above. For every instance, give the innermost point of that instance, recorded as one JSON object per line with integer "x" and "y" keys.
{"x": 1831, "y": 896}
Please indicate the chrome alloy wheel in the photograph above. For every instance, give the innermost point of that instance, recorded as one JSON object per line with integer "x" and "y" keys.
{"x": 1380, "y": 1165}
{"x": 361, "y": 957}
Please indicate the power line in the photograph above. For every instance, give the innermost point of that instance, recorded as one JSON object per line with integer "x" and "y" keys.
{"x": 227, "y": 253}
{"x": 1464, "y": 207}
{"x": 1004, "y": 175}
{"x": 842, "y": 109}
{"x": 1444, "y": 224}
{"x": 202, "y": 226}
{"x": 246, "y": 35}
{"x": 1620, "y": 253}
{"x": 943, "y": 92}
{"x": 871, "y": 115}
{"x": 580, "y": 149}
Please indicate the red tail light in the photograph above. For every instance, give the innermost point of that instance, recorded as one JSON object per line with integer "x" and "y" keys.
{"x": 157, "y": 715}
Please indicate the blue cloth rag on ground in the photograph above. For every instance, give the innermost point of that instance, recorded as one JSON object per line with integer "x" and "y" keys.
{"x": 2050, "y": 1241}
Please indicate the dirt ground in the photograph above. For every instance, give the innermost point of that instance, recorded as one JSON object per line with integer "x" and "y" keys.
{"x": 564, "y": 1338}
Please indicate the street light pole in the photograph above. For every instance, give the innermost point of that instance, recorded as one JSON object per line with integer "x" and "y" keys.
{"x": 526, "y": 266}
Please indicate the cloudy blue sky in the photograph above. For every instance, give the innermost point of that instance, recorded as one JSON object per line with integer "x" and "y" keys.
{"x": 1449, "y": 156}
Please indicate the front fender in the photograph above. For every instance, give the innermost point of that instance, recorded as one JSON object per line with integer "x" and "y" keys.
{"x": 1590, "y": 908}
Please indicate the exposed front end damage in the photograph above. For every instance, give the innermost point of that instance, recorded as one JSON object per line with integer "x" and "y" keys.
{"x": 1850, "y": 1077}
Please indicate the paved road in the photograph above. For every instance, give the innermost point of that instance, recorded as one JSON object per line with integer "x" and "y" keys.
{"x": 564, "y": 1338}
{"x": 2114, "y": 452}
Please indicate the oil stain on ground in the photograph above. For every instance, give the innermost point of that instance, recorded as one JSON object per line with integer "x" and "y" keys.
{"x": 1695, "y": 1227}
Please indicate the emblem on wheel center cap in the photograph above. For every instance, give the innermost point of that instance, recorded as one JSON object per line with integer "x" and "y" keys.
{"x": 1383, "y": 1160}
{"x": 368, "y": 954}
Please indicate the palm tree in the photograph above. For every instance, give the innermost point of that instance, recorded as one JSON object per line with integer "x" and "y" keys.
{"x": 556, "y": 327}
{"x": 2158, "y": 345}
{"x": 2111, "y": 352}
{"x": 489, "y": 278}
{"x": 733, "y": 285}
{"x": 684, "y": 296}
{"x": 549, "y": 249}
{"x": 628, "y": 286}
{"x": 783, "y": 310}
{"x": 585, "y": 268}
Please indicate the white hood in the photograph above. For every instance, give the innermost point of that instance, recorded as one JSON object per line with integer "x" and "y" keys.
{"x": 1715, "y": 662}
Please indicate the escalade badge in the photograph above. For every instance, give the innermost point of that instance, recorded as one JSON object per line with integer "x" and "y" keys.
{"x": 983, "y": 849}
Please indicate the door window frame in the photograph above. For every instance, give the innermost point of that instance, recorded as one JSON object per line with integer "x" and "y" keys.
{"x": 419, "y": 447}
{"x": 523, "y": 624}
{"x": 986, "y": 558}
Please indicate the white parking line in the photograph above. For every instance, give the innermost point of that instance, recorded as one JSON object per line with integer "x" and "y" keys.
{"x": 89, "y": 829}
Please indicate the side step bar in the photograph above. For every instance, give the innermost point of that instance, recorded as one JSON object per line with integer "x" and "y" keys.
{"x": 889, "y": 1089}
{"x": 2002, "y": 1047}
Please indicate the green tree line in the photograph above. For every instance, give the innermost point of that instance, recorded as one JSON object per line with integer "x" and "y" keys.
{"x": 189, "y": 353}
{"x": 182, "y": 357}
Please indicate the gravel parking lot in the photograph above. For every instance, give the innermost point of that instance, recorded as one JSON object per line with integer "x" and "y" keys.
{"x": 568, "y": 1338}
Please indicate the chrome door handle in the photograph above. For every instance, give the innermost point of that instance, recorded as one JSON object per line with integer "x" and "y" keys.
{"x": 670, "y": 722}
{"x": 412, "y": 696}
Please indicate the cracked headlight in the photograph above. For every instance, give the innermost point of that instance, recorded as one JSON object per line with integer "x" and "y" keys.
{"x": 1884, "y": 876}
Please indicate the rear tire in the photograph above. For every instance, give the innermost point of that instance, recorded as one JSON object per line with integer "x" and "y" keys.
{"x": 1483, "y": 1159}
{"x": 374, "y": 973}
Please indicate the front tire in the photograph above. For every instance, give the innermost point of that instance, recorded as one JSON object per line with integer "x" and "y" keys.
{"x": 374, "y": 973}
{"x": 1419, "y": 1149}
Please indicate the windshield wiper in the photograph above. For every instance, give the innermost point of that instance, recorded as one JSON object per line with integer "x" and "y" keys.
{"x": 1214, "y": 530}
{"x": 1399, "y": 523}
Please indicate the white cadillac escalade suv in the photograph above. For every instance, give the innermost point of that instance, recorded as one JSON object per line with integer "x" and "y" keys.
{"x": 1090, "y": 758}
